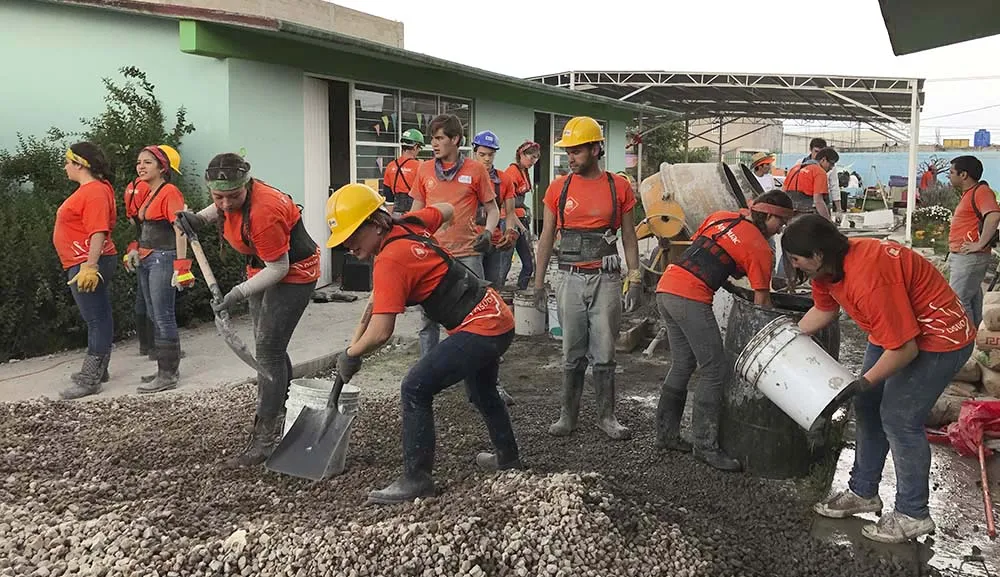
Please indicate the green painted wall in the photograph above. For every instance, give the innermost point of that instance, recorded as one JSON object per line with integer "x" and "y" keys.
{"x": 266, "y": 118}
{"x": 615, "y": 159}
{"x": 58, "y": 54}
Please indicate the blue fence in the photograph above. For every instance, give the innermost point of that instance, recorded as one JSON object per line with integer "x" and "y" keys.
{"x": 896, "y": 164}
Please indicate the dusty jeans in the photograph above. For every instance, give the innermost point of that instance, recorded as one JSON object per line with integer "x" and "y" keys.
{"x": 95, "y": 307}
{"x": 891, "y": 416}
{"x": 155, "y": 272}
{"x": 430, "y": 332}
{"x": 967, "y": 272}
{"x": 590, "y": 314}
{"x": 695, "y": 342}
{"x": 276, "y": 312}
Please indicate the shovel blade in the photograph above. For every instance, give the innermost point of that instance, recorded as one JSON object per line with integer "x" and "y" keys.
{"x": 236, "y": 344}
{"x": 311, "y": 444}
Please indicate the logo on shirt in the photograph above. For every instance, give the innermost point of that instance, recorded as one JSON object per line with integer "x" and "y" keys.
{"x": 571, "y": 205}
{"x": 465, "y": 179}
{"x": 892, "y": 250}
{"x": 430, "y": 184}
{"x": 418, "y": 251}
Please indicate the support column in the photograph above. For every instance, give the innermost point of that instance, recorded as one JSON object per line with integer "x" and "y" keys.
{"x": 687, "y": 138}
{"x": 638, "y": 154}
{"x": 720, "y": 138}
{"x": 911, "y": 185}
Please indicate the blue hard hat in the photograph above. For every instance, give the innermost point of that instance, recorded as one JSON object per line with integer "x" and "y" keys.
{"x": 486, "y": 138}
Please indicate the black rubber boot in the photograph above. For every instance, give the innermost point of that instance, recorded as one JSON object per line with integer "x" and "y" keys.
{"x": 604, "y": 385}
{"x": 569, "y": 411}
{"x": 418, "y": 457}
{"x": 669, "y": 411}
{"x": 406, "y": 488}
{"x": 167, "y": 363}
{"x": 490, "y": 462}
{"x": 259, "y": 447}
{"x": 705, "y": 421}
{"x": 78, "y": 377}
{"x": 88, "y": 380}
{"x": 144, "y": 330}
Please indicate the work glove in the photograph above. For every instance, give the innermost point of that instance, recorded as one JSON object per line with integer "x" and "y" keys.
{"x": 191, "y": 219}
{"x": 632, "y": 288}
{"x": 131, "y": 258}
{"x": 232, "y": 298}
{"x": 858, "y": 385}
{"x": 507, "y": 240}
{"x": 182, "y": 278}
{"x": 87, "y": 278}
{"x": 541, "y": 300}
{"x": 483, "y": 243}
{"x": 347, "y": 366}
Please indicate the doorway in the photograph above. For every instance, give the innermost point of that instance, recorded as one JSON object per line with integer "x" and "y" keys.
{"x": 543, "y": 168}
{"x": 340, "y": 158}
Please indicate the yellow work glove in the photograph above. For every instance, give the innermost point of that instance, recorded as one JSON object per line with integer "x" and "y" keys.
{"x": 87, "y": 278}
{"x": 632, "y": 289}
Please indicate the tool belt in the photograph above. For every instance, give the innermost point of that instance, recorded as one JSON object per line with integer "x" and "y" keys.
{"x": 582, "y": 245}
{"x": 157, "y": 235}
{"x": 802, "y": 203}
{"x": 519, "y": 200}
{"x": 458, "y": 293}
{"x": 708, "y": 261}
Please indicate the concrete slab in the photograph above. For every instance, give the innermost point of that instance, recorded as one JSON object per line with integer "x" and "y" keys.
{"x": 323, "y": 332}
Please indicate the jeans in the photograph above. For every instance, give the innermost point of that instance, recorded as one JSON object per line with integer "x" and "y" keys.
{"x": 496, "y": 263}
{"x": 159, "y": 296}
{"x": 95, "y": 307}
{"x": 590, "y": 314}
{"x": 276, "y": 311}
{"x": 891, "y": 416}
{"x": 527, "y": 256}
{"x": 463, "y": 355}
{"x": 695, "y": 342}
{"x": 430, "y": 332}
{"x": 967, "y": 272}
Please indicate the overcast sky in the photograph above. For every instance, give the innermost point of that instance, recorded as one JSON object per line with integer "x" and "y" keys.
{"x": 533, "y": 37}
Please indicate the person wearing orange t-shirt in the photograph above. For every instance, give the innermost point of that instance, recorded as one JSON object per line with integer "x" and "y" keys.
{"x": 466, "y": 186}
{"x": 82, "y": 239}
{"x": 158, "y": 258}
{"x": 401, "y": 172}
{"x": 587, "y": 208}
{"x": 485, "y": 146}
{"x": 136, "y": 192}
{"x": 971, "y": 237}
{"x": 727, "y": 244}
{"x": 919, "y": 336}
{"x": 282, "y": 264}
{"x": 410, "y": 268}
{"x": 806, "y": 183}
{"x": 520, "y": 173}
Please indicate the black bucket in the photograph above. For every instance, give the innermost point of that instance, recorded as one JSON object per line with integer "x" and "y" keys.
{"x": 752, "y": 428}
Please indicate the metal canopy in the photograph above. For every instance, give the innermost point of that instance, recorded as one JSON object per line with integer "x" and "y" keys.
{"x": 697, "y": 95}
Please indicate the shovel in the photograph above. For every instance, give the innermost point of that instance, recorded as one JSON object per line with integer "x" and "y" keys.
{"x": 221, "y": 318}
{"x": 309, "y": 447}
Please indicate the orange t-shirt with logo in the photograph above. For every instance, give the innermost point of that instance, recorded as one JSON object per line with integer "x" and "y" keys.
{"x": 744, "y": 243}
{"x": 162, "y": 204}
{"x": 400, "y": 174}
{"x": 809, "y": 179}
{"x": 965, "y": 223}
{"x": 406, "y": 271}
{"x": 895, "y": 295}
{"x": 506, "y": 192}
{"x": 588, "y": 204}
{"x": 89, "y": 210}
{"x": 135, "y": 194}
{"x": 273, "y": 215}
{"x": 468, "y": 188}
{"x": 521, "y": 185}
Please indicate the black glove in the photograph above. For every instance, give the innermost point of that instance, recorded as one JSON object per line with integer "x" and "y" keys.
{"x": 232, "y": 298}
{"x": 858, "y": 385}
{"x": 347, "y": 366}
{"x": 191, "y": 220}
{"x": 484, "y": 242}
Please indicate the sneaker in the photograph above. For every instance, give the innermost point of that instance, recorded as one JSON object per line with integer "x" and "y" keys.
{"x": 895, "y": 527}
{"x": 846, "y": 503}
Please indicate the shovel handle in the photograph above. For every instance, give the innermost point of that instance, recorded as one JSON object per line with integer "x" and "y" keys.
{"x": 206, "y": 270}
{"x": 338, "y": 385}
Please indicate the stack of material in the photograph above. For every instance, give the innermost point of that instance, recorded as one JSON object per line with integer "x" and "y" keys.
{"x": 980, "y": 377}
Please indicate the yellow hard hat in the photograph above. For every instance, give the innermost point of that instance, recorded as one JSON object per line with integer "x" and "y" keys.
{"x": 580, "y": 130}
{"x": 173, "y": 157}
{"x": 348, "y": 208}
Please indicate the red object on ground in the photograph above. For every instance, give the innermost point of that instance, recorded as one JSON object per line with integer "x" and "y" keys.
{"x": 976, "y": 421}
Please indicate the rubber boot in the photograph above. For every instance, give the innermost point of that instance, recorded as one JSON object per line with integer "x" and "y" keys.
{"x": 88, "y": 380}
{"x": 604, "y": 385}
{"x": 167, "y": 363}
{"x": 669, "y": 411}
{"x": 491, "y": 462}
{"x": 259, "y": 447}
{"x": 569, "y": 411}
{"x": 705, "y": 421}
{"x": 418, "y": 458}
{"x": 78, "y": 377}
{"x": 144, "y": 330}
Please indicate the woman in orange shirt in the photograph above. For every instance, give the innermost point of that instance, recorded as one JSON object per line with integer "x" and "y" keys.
{"x": 525, "y": 158}
{"x": 282, "y": 263}
{"x": 135, "y": 195}
{"x": 410, "y": 268}
{"x": 158, "y": 258}
{"x": 82, "y": 238}
{"x": 919, "y": 336}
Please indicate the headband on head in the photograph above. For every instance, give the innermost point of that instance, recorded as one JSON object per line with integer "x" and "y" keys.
{"x": 158, "y": 153}
{"x": 773, "y": 209}
{"x": 74, "y": 157}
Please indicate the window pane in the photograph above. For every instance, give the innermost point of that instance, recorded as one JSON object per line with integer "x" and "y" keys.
{"x": 560, "y": 162}
{"x": 463, "y": 110}
{"x": 372, "y": 161}
{"x": 417, "y": 111}
{"x": 376, "y": 119}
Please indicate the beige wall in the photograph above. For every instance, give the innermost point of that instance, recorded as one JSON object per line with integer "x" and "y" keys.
{"x": 768, "y": 138}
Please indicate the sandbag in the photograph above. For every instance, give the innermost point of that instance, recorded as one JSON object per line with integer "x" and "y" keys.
{"x": 988, "y": 359}
{"x": 970, "y": 372}
{"x": 986, "y": 339}
{"x": 991, "y": 382}
{"x": 991, "y": 317}
{"x": 945, "y": 410}
{"x": 961, "y": 389}
{"x": 991, "y": 298}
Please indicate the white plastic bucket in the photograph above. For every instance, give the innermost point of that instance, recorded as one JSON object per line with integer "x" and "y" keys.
{"x": 793, "y": 371}
{"x": 528, "y": 320}
{"x": 314, "y": 393}
{"x": 722, "y": 305}
{"x": 555, "y": 329}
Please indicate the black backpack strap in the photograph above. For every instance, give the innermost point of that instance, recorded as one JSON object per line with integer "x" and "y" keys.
{"x": 562, "y": 201}
{"x": 141, "y": 213}
{"x": 399, "y": 174}
{"x": 614, "y": 199}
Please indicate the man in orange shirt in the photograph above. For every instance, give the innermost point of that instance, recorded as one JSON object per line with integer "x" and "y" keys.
{"x": 587, "y": 207}
{"x": 410, "y": 268}
{"x": 726, "y": 244}
{"x": 807, "y": 183}
{"x": 485, "y": 146}
{"x": 972, "y": 234}
{"x": 400, "y": 173}
{"x": 466, "y": 186}
{"x": 918, "y": 338}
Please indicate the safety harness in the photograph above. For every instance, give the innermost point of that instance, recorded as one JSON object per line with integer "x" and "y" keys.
{"x": 401, "y": 201}
{"x": 300, "y": 245}
{"x": 155, "y": 234}
{"x": 459, "y": 291}
{"x": 587, "y": 244}
{"x": 707, "y": 260}
{"x": 521, "y": 195}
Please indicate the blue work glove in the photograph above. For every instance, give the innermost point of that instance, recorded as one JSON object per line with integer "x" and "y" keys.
{"x": 347, "y": 366}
